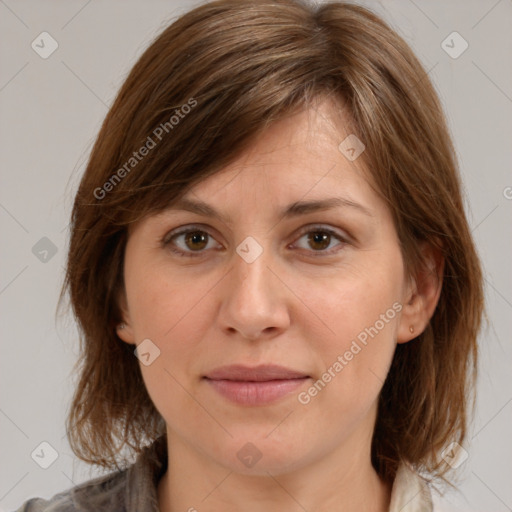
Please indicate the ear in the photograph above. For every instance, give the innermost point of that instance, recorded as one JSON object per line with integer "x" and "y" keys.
{"x": 422, "y": 294}
{"x": 124, "y": 329}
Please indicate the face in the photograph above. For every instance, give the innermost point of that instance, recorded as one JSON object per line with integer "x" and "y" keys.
{"x": 317, "y": 292}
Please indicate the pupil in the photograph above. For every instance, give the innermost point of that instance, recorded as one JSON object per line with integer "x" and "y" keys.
{"x": 320, "y": 238}
{"x": 196, "y": 237}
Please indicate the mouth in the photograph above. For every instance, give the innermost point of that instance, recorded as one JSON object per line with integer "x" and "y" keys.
{"x": 253, "y": 386}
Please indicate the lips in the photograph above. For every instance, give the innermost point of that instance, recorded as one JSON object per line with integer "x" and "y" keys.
{"x": 255, "y": 385}
{"x": 255, "y": 374}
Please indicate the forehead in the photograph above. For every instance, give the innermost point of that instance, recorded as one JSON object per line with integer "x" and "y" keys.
{"x": 296, "y": 158}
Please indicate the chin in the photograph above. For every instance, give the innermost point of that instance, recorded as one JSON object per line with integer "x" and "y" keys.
{"x": 260, "y": 455}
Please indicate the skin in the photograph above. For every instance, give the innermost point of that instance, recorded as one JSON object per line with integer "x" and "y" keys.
{"x": 291, "y": 306}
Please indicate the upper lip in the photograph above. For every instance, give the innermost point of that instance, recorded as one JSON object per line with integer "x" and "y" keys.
{"x": 259, "y": 373}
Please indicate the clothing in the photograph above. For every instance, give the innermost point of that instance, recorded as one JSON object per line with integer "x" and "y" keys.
{"x": 135, "y": 489}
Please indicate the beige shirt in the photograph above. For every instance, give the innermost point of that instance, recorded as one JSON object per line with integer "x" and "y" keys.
{"x": 135, "y": 489}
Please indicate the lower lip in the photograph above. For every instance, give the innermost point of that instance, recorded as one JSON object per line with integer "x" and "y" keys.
{"x": 255, "y": 393}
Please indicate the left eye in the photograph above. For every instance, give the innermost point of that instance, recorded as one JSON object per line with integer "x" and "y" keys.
{"x": 195, "y": 240}
{"x": 321, "y": 238}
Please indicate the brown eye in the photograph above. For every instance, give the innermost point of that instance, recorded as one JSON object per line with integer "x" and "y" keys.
{"x": 319, "y": 239}
{"x": 189, "y": 242}
{"x": 196, "y": 240}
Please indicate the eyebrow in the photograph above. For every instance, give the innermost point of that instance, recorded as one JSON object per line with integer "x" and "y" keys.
{"x": 293, "y": 210}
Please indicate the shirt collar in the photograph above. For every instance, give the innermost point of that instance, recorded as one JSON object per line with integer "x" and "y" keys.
{"x": 410, "y": 492}
{"x": 143, "y": 477}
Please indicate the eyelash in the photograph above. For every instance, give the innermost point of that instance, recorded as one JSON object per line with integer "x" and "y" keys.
{"x": 166, "y": 241}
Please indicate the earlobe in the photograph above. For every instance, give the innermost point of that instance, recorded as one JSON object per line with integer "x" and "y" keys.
{"x": 123, "y": 329}
{"x": 422, "y": 296}
{"x": 409, "y": 327}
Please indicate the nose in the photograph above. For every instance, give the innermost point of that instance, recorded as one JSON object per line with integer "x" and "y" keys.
{"x": 254, "y": 299}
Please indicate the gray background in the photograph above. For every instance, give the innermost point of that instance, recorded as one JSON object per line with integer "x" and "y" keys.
{"x": 51, "y": 110}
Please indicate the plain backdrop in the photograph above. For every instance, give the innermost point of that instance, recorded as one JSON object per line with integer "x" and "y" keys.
{"x": 50, "y": 112}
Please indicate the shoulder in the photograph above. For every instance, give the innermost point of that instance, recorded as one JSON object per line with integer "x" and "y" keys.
{"x": 133, "y": 489}
{"x": 100, "y": 494}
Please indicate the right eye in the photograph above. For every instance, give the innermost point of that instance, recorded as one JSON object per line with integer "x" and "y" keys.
{"x": 188, "y": 242}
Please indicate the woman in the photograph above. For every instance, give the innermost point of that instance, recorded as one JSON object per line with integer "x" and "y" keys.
{"x": 271, "y": 267}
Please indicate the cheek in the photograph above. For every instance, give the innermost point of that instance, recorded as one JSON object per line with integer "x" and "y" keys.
{"x": 362, "y": 312}
{"x": 176, "y": 322}
{"x": 162, "y": 302}
{"x": 170, "y": 309}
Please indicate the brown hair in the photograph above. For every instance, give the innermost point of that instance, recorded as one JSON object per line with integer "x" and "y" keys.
{"x": 210, "y": 83}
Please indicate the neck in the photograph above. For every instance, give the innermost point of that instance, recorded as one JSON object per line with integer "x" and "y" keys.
{"x": 344, "y": 480}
